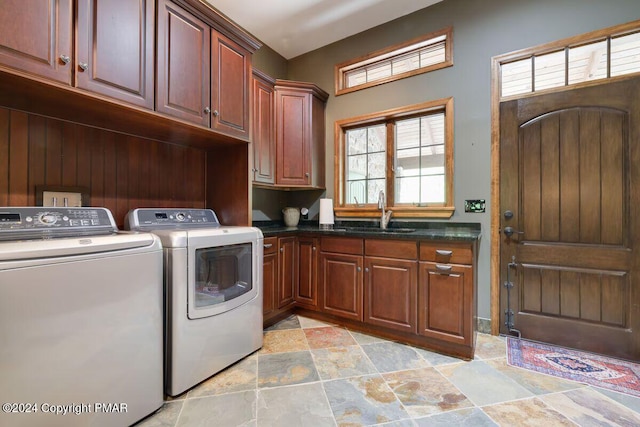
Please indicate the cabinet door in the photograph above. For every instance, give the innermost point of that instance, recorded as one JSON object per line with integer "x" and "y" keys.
{"x": 36, "y": 37}
{"x": 341, "y": 283}
{"x": 287, "y": 270}
{"x": 293, "y": 156}
{"x": 390, "y": 293}
{"x": 184, "y": 68}
{"x": 269, "y": 282}
{"x": 115, "y": 55}
{"x": 230, "y": 74}
{"x": 445, "y": 298}
{"x": 264, "y": 132}
{"x": 307, "y": 289}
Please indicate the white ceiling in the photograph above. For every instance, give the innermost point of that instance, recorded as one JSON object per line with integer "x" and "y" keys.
{"x": 294, "y": 27}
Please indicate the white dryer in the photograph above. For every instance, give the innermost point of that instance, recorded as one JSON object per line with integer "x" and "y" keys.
{"x": 80, "y": 319}
{"x": 213, "y": 291}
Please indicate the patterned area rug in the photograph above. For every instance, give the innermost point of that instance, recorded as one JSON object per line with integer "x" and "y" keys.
{"x": 593, "y": 369}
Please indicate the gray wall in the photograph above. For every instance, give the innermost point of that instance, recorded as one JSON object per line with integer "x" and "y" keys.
{"x": 271, "y": 62}
{"x": 481, "y": 29}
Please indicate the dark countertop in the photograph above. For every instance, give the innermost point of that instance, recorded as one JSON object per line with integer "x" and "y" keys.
{"x": 451, "y": 231}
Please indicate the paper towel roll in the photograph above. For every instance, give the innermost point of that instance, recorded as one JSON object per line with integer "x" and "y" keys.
{"x": 326, "y": 212}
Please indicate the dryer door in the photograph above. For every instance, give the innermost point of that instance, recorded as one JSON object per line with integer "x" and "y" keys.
{"x": 222, "y": 278}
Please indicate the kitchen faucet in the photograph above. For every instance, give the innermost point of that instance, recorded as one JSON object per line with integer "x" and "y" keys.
{"x": 385, "y": 217}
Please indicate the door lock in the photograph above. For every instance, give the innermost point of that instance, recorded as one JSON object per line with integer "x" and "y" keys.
{"x": 509, "y": 231}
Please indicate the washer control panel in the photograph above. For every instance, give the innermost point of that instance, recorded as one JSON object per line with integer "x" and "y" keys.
{"x": 51, "y": 220}
{"x": 150, "y": 218}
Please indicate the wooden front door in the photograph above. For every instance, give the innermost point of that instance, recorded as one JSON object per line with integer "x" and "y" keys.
{"x": 570, "y": 218}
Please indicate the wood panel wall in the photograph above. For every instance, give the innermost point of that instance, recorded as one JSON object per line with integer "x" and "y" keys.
{"x": 121, "y": 172}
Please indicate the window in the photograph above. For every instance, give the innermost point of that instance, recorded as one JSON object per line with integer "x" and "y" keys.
{"x": 406, "y": 153}
{"x": 595, "y": 59}
{"x": 426, "y": 53}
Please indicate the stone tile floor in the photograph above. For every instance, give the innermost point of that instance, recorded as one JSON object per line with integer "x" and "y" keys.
{"x": 310, "y": 373}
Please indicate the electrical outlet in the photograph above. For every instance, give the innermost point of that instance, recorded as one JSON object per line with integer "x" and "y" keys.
{"x": 61, "y": 198}
{"x": 476, "y": 206}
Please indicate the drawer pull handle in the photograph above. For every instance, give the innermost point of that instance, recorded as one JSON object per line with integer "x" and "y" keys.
{"x": 443, "y": 252}
{"x": 443, "y": 267}
{"x": 268, "y": 245}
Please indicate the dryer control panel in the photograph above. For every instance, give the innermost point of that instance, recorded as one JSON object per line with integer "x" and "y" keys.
{"x": 157, "y": 218}
{"x": 50, "y": 222}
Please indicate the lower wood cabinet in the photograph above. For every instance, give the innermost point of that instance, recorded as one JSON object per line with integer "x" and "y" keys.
{"x": 341, "y": 283}
{"x": 390, "y": 293}
{"x": 446, "y": 302}
{"x": 422, "y": 293}
{"x": 269, "y": 277}
{"x": 279, "y": 277}
{"x": 306, "y": 291}
{"x": 287, "y": 270}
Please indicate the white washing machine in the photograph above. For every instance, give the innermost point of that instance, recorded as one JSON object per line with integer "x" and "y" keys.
{"x": 213, "y": 291}
{"x": 80, "y": 319}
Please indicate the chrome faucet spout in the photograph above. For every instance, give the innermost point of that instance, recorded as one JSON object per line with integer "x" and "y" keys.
{"x": 385, "y": 216}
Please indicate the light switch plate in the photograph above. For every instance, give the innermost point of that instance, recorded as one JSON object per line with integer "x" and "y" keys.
{"x": 60, "y": 198}
{"x": 475, "y": 206}
{"x": 55, "y": 195}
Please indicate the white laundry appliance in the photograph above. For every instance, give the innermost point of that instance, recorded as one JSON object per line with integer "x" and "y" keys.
{"x": 80, "y": 319}
{"x": 213, "y": 291}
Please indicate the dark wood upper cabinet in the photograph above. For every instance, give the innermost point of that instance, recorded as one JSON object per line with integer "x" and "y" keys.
{"x": 230, "y": 86}
{"x": 36, "y": 36}
{"x": 300, "y": 134}
{"x": 203, "y": 75}
{"x": 263, "y": 129}
{"x": 115, "y": 49}
{"x": 184, "y": 49}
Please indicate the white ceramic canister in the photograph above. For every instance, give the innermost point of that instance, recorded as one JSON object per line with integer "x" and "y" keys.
{"x": 291, "y": 216}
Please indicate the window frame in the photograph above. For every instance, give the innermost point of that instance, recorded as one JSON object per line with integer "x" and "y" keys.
{"x": 388, "y": 54}
{"x": 564, "y": 45}
{"x": 370, "y": 210}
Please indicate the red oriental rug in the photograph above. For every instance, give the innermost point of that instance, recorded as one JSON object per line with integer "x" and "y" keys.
{"x": 593, "y": 369}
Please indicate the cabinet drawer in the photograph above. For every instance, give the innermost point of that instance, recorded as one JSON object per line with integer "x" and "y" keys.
{"x": 270, "y": 245}
{"x": 342, "y": 245}
{"x": 403, "y": 249}
{"x": 446, "y": 252}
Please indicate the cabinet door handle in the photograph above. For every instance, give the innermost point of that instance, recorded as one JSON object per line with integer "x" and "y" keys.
{"x": 359, "y": 269}
{"x": 207, "y": 110}
{"x": 366, "y": 270}
{"x": 216, "y": 113}
{"x": 65, "y": 59}
{"x": 443, "y": 252}
{"x": 443, "y": 267}
{"x": 268, "y": 245}
{"x": 281, "y": 249}
{"x": 313, "y": 248}
{"x": 84, "y": 66}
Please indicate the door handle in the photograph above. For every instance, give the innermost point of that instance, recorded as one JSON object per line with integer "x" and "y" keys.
{"x": 268, "y": 245}
{"x": 509, "y": 231}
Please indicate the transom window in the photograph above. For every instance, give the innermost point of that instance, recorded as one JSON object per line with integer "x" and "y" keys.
{"x": 601, "y": 58}
{"x": 406, "y": 153}
{"x": 426, "y": 53}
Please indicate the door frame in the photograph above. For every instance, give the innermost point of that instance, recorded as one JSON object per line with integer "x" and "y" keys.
{"x": 496, "y": 99}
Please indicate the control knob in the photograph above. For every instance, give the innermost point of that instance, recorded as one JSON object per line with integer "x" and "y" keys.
{"x": 48, "y": 219}
{"x": 180, "y": 216}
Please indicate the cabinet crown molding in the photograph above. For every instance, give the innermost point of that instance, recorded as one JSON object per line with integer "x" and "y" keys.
{"x": 221, "y": 23}
{"x": 311, "y": 87}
